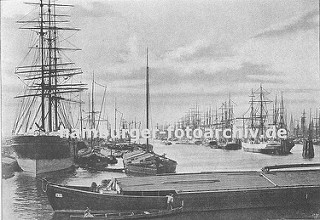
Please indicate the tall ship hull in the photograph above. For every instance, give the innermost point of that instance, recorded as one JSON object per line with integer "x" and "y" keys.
{"x": 41, "y": 154}
{"x": 274, "y": 148}
{"x": 48, "y": 98}
{"x": 262, "y": 123}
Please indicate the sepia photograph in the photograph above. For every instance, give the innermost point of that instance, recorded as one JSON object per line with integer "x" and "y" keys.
{"x": 160, "y": 109}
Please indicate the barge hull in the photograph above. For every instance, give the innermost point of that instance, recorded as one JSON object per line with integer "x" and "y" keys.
{"x": 64, "y": 201}
{"x": 199, "y": 192}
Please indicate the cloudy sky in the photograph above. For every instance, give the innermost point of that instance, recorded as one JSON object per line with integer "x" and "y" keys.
{"x": 199, "y": 52}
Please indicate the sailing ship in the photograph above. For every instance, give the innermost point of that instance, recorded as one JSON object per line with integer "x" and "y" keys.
{"x": 227, "y": 120}
{"x": 259, "y": 120}
{"x": 146, "y": 161}
{"x": 299, "y": 131}
{"x": 48, "y": 96}
{"x": 92, "y": 157}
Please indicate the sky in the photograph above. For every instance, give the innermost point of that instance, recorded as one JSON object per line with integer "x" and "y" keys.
{"x": 199, "y": 53}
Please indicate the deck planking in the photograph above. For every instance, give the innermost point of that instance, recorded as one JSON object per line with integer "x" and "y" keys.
{"x": 220, "y": 181}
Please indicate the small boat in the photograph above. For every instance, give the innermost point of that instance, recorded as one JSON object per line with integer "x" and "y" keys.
{"x": 130, "y": 214}
{"x": 9, "y": 166}
{"x": 167, "y": 142}
{"x": 94, "y": 159}
{"x": 213, "y": 144}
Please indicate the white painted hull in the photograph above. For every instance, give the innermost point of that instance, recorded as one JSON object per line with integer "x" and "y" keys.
{"x": 254, "y": 147}
{"x": 40, "y": 166}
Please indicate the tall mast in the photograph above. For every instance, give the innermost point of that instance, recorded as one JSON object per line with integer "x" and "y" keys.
{"x": 55, "y": 61}
{"x": 252, "y": 109}
{"x": 317, "y": 119}
{"x": 89, "y": 115}
{"x": 303, "y": 122}
{"x": 147, "y": 98}
{"x": 115, "y": 114}
{"x": 50, "y": 70}
{"x": 44, "y": 77}
{"x": 42, "y": 67}
{"x": 92, "y": 103}
{"x": 81, "y": 126}
{"x": 275, "y": 111}
{"x": 281, "y": 113}
{"x": 261, "y": 110}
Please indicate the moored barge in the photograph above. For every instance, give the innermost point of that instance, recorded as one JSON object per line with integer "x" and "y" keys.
{"x": 199, "y": 192}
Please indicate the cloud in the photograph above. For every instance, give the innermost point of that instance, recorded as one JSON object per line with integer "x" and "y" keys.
{"x": 95, "y": 9}
{"x": 303, "y": 22}
{"x": 199, "y": 49}
{"x": 187, "y": 50}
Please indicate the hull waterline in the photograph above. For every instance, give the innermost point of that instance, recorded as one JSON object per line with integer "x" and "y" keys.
{"x": 42, "y": 154}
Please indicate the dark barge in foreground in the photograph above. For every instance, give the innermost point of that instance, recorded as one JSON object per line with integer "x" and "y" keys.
{"x": 199, "y": 192}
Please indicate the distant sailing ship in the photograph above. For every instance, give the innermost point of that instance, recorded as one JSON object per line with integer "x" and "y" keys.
{"x": 227, "y": 121}
{"x": 259, "y": 120}
{"x": 45, "y": 108}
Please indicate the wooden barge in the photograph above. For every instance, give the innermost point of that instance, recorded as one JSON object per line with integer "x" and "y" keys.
{"x": 198, "y": 192}
{"x": 148, "y": 163}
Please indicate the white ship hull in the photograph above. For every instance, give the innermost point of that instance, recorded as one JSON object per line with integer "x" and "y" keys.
{"x": 40, "y": 166}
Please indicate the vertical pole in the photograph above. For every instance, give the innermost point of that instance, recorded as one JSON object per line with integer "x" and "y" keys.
{"x": 92, "y": 104}
{"x": 55, "y": 59}
{"x": 147, "y": 98}
{"x": 81, "y": 126}
{"x": 115, "y": 114}
{"x": 42, "y": 68}
{"x": 261, "y": 110}
{"x": 50, "y": 69}
{"x": 252, "y": 117}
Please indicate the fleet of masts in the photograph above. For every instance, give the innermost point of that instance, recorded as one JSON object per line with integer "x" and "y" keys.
{"x": 259, "y": 115}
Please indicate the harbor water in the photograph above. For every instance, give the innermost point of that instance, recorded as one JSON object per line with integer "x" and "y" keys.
{"x": 23, "y": 196}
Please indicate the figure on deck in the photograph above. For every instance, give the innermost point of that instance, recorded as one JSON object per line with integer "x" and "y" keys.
{"x": 170, "y": 201}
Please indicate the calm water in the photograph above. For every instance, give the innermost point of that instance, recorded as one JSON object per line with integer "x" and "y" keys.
{"x": 23, "y": 198}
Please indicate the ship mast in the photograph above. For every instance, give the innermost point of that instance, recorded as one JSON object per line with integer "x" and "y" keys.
{"x": 252, "y": 117}
{"x": 147, "y": 98}
{"x": 55, "y": 61}
{"x": 92, "y": 104}
{"x": 81, "y": 125}
{"x": 49, "y": 69}
{"x": 46, "y": 79}
{"x": 261, "y": 108}
{"x": 42, "y": 67}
